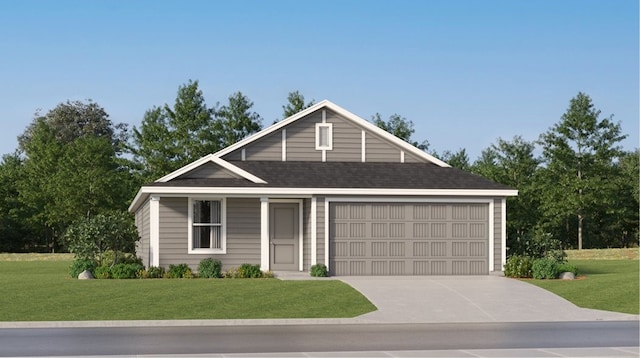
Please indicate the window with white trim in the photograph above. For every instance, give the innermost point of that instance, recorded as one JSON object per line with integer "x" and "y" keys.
{"x": 207, "y": 232}
{"x": 324, "y": 136}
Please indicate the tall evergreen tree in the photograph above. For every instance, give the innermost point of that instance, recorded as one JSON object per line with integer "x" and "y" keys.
{"x": 399, "y": 127}
{"x": 579, "y": 154}
{"x": 236, "y": 120}
{"x": 295, "y": 104}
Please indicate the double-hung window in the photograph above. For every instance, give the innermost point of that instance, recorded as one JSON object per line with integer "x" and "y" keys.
{"x": 207, "y": 231}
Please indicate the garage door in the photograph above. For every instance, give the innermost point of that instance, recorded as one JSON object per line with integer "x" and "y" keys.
{"x": 408, "y": 239}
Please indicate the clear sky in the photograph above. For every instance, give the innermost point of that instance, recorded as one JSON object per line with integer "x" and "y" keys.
{"x": 464, "y": 71}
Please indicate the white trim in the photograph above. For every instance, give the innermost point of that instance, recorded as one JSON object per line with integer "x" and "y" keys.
{"x": 326, "y": 234}
{"x": 344, "y": 113}
{"x": 284, "y": 144}
{"x": 243, "y": 154}
{"x": 329, "y": 145}
{"x": 324, "y": 116}
{"x": 264, "y": 234}
{"x": 402, "y": 156}
{"x": 503, "y": 230}
{"x": 364, "y": 146}
{"x": 314, "y": 231}
{"x": 211, "y": 158}
{"x": 492, "y": 237}
{"x": 324, "y": 156}
{"x": 308, "y": 192}
{"x": 223, "y": 227}
{"x": 154, "y": 231}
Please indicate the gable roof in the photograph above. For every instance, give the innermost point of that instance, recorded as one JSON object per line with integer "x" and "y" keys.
{"x": 407, "y": 147}
{"x": 216, "y": 160}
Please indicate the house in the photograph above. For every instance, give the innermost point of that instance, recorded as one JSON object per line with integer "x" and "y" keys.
{"x": 325, "y": 186}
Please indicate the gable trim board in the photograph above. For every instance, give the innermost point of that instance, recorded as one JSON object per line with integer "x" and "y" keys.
{"x": 249, "y": 182}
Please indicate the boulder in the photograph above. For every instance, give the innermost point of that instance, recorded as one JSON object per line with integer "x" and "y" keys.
{"x": 85, "y": 275}
{"x": 567, "y": 276}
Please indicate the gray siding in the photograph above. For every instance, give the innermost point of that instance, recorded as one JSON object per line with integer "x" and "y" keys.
{"x": 497, "y": 234}
{"x": 306, "y": 234}
{"x": 380, "y": 150}
{"x": 243, "y": 233}
{"x": 320, "y": 230}
{"x": 266, "y": 148}
{"x": 347, "y": 140}
{"x": 209, "y": 170}
{"x": 301, "y": 139}
{"x": 142, "y": 224}
{"x": 410, "y": 158}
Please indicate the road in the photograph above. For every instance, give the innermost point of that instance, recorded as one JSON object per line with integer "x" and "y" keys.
{"x": 314, "y": 338}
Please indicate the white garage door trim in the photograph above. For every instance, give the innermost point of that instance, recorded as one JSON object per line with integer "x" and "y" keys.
{"x": 489, "y": 201}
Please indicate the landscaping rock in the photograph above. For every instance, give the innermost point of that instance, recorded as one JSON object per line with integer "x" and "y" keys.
{"x": 85, "y": 275}
{"x": 567, "y": 276}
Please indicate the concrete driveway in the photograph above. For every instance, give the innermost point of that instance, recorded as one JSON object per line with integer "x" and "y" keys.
{"x": 467, "y": 299}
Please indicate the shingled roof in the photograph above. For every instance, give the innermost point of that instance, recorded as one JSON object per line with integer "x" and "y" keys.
{"x": 369, "y": 175}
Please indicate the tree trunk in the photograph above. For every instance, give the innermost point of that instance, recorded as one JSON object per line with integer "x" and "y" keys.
{"x": 580, "y": 218}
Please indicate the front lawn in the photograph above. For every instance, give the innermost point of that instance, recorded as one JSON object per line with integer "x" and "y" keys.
{"x": 43, "y": 291}
{"x": 610, "y": 285}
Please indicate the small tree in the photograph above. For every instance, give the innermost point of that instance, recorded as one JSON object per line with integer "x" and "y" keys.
{"x": 89, "y": 238}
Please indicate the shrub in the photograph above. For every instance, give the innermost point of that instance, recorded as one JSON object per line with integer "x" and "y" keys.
{"x": 154, "y": 272}
{"x": 319, "y": 270}
{"x": 210, "y": 268}
{"x": 519, "y": 266}
{"x": 567, "y": 268}
{"x": 124, "y": 271}
{"x": 103, "y": 272}
{"x": 78, "y": 265}
{"x": 178, "y": 271}
{"x": 537, "y": 245}
{"x": 110, "y": 258}
{"x": 545, "y": 269}
{"x": 249, "y": 271}
{"x": 268, "y": 274}
{"x": 245, "y": 271}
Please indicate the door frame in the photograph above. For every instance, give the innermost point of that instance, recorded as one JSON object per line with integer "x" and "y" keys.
{"x": 266, "y": 220}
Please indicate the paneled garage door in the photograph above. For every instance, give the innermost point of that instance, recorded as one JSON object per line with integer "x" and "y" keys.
{"x": 385, "y": 239}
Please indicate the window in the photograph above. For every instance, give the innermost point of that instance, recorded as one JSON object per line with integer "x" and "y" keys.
{"x": 324, "y": 136}
{"x": 206, "y": 227}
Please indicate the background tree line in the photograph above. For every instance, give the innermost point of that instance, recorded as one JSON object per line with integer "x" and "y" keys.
{"x": 73, "y": 163}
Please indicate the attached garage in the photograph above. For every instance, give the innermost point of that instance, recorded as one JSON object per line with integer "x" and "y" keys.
{"x": 422, "y": 238}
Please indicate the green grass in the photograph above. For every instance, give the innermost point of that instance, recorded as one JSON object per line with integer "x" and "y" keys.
{"x": 605, "y": 284}
{"x": 43, "y": 291}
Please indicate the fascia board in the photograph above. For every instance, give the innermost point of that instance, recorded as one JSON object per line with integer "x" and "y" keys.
{"x": 219, "y": 161}
{"x": 324, "y": 191}
{"x": 274, "y": 127}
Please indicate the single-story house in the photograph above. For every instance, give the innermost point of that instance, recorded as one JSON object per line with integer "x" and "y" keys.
{"x": 325, "y": 186}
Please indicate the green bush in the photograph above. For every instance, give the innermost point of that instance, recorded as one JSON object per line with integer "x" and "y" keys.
{"x": 519, "y": 266}
{"x": 210, "y": 268}
{"x": 319, "y": 270}
{"x": 249, "y": 271}
{"x": 125, "y": 271}
{"x": 545, "y": 269}
{"x": 537, "y": 245}
{"x": 78, "y": 265}
{"x": 246, "y": 271}
{"x": 153, "y": 272}
{"x": 102, "y": 272}
{"x": 178, "y": 271}
{"x": 567, "y": 268}
{"x": 109, "y": 258}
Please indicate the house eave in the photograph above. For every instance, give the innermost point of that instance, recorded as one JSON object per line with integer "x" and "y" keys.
{"x": 146, "y": 191}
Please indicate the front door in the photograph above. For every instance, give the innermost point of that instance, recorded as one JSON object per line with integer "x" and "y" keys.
{"x": 284, "y": 236}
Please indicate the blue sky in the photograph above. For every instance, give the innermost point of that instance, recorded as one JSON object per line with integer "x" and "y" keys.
{"x": 465, "y": 72}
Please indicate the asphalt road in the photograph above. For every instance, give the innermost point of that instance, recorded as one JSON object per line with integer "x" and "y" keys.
{"x": 314, "y": 338}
